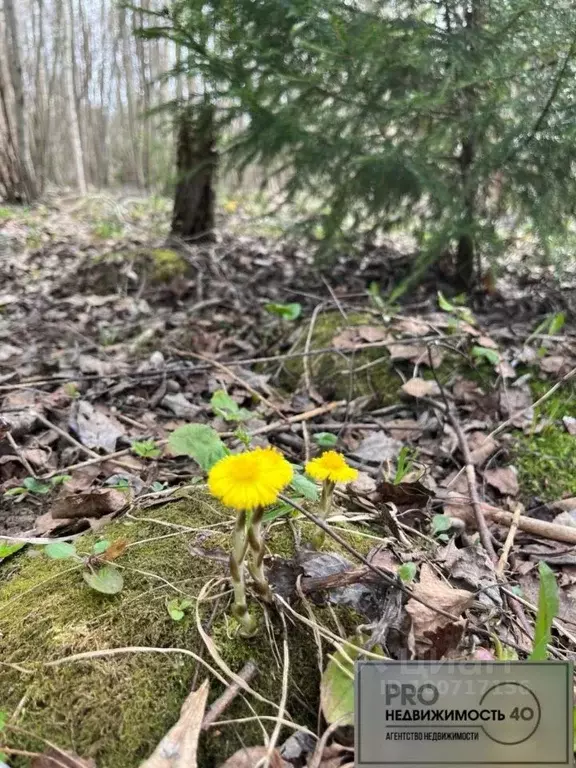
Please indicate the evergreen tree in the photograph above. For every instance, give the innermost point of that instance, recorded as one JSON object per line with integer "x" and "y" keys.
{"x": 398, "y": 112}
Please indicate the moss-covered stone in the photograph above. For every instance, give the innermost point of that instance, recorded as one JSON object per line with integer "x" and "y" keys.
{"x": 331, "y": 374}
{"x": 117, "y": 708}
{"x": 546, "y": 461}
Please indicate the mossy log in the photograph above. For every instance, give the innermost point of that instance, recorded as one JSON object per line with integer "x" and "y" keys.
{"x": 116, "y": 708}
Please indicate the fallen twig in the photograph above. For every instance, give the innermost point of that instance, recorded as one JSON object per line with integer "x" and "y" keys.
{"x": 502, "y": 562}
{"x": 223, "y": 702}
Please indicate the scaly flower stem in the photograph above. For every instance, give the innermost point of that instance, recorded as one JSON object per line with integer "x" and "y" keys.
{"x": 256, "y": 567}
{"x": 239, "y": 547}
{"x": 325, "y": 507}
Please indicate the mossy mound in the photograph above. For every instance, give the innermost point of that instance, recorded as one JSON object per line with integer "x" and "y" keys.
{"x": 342, "y": 376}
{"x": 167, "y": 265}
{"x": 117, "y": 708}
{"x": 546, "y": 461}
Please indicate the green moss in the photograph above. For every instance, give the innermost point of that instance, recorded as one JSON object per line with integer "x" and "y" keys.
{"x": 116, "y": 709}
{"x": 331, "y": 372}
{"x": 167, "y": 264}
{"x": 546, "y": 461}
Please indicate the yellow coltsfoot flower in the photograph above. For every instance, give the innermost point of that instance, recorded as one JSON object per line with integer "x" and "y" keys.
{"x": 246, "y": 481}
{"x": 331, "y": 466}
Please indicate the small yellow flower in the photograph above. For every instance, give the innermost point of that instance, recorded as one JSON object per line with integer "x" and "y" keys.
{"x": 249, "y": 480}
{"x": 331, "y": 466}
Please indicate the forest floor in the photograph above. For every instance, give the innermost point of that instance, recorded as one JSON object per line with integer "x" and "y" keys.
{"x": 461, "y": 419}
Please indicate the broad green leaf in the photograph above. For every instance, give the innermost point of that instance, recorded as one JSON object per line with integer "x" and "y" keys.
{"x": 285, "y": 311}
{"x": 100, "y": 547}
{"x": 492, "y": 355}
{"x": 441, "y": 523}
{"x": 60, "y": 550}
{"x": 305, "y": 487}
{"x": 407, "y": 571}
{"x": 223, "y": 405}
{"x": 35, "y": 486}
{"x": 337, "y": 689}
{"x": 107, "y": 580}
{"x": 3, "y": 718}
{"x": 198, "y": 441}
{"x": 325, "y": 439}
{"x": 147, "y": 449}
{"x": 278, "y": 510}
{"x": 548, "y": 604}
{"x": 9, "y": 549}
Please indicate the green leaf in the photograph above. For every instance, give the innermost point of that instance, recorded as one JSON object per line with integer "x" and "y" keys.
{"x": 444, "y": 304}
{"x": 305, "y": 487}
{"x": 59, "y": 479}
{"x": 556, "y": 323}
{"x": 35, "y": 486}
{"x": 100, "y": 547}
{"x": 441, "y": 523}
{"x": 157, "y": 486}
{"x": 492, "y": 355}
{"x": 325, "y": 439}
{"x": 285, "y": 311}
{"x": 18, "y": 491}
{"x": 407, "y": 571}
{"x": 60, "y": 550}
{"x": 107, "y": 580}
{"x": 278, "y": 510}
{"x": 177, "y": 607}
{"x": 146, "y": 449}
{"x": 3, "y": 718}
{"x": 548, "y": 604}
{"x": 337, "y": 688}
{"x": 228, "y": 409}
{"x": 9, "y": 549}
{"x": 200, "y": 442}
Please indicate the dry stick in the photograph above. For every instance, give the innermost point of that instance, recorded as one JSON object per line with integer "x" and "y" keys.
{"x": 305, "y": 360}
{"x": 538, "y": 402}
{"x": 386, "y": 577}
{"x": 481, "y": 524}
{"x": 223, "y": 702}
{"x": 66, "y": 436}
{"x": 20, "y": 455}
{"x": 500, "y": 568}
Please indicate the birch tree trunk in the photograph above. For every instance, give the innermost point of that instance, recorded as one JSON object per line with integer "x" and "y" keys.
{"x": 73, "y": 119}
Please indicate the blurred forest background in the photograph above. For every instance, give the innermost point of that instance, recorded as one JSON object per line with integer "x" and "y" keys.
{"x": 452, "y": 121}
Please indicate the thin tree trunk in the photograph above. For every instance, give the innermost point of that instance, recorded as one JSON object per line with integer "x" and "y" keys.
{"x": 73, "y": 121}
{"x": 193, "y": 215}
{"x": 29, "y": 189}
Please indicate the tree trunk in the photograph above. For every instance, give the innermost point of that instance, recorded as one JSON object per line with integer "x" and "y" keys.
{"x": 28, "y": 187}
{"x": 73, "y": 117}
{"x": 193, "y": 215}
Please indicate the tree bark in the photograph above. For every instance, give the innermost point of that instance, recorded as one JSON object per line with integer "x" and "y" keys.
{"x": 28, "y": 188}
{"x": 73, "y": 117}
{"x": 193, "y": 215}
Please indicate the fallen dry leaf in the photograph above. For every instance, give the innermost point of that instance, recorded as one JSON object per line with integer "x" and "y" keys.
{"x": 570, "y": 424}
{"x": 348, "y": 338}
{"x": 94, "y": 428}
{"x": 405, "y": 429}
{"x": 516, "y": 403}
{"x": 486, "y": 341}
{"x": 54, "y": 758}
{"x": 420, "y": 388}
{"x": 373, "y": 333}
{"x": 9, "y": 351}
{"x": 378, "y": 447}
{"x": 412, "y": 326}
{"x": 426, "y": 621}
{"x": 554, "y": 364}
{"x": 504, "y": 479}
{"x": 415, "y": 353}
{"x": 91, "y": 504}
{"x": 414, "y": 495}
{"x": 179, "y": 746}
{"x": 250, "y": 756}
